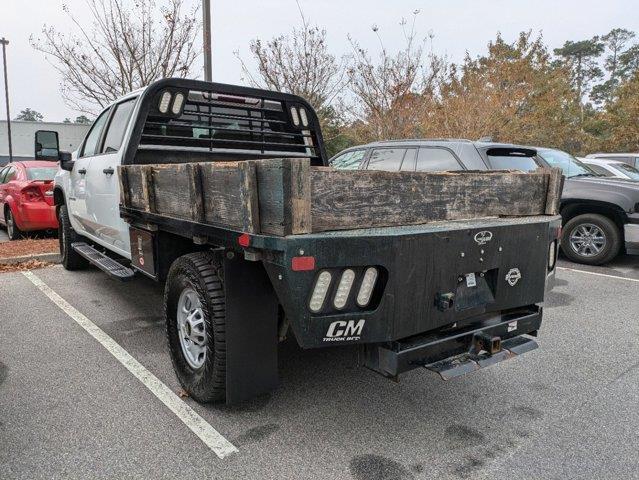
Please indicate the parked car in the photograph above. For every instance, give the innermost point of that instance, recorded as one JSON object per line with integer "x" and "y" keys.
{"x": 611, "y": 168}
{"x": 631, "y": 159}
{"x": 600, "y": 215}
{"x": 26, "y": 197}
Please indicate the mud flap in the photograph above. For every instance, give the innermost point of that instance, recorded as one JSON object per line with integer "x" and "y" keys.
{"x": 251, "y": 330}
{"x": 467, "y": 362}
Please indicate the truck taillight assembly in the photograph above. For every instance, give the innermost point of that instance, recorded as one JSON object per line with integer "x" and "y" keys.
{"x": 348, "y": 289}
{"x": 343, "y": 288}
{"x": 367, "y": 286}
{"x": 320, "y": 290}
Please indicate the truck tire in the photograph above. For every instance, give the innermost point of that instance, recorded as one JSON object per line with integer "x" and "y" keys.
{"x": 195, "y": 314}
{"x": 70, "y": 259}
{"x": 13, "y": 232}
{"x": 591, "y": 239}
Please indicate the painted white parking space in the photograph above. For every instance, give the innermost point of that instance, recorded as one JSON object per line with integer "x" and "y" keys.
{"x": 598, "y": 274}
{"x": 211, "y": 437}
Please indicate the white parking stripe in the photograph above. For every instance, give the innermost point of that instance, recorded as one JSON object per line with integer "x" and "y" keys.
{"x": 214, "y": 440}
{"x": 599, "y": 274}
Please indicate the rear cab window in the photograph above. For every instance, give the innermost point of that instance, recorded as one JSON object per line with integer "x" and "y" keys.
{"x": 117, "y": 126}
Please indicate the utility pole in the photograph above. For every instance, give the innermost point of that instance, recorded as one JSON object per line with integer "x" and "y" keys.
{"x": 206, "y": 30}
{"x": 4, "y": 43}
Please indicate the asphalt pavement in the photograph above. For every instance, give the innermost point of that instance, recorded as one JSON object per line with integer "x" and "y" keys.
{"x": 69, "y": 409}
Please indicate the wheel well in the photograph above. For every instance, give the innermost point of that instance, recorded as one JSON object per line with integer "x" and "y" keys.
{"x": 613, "y": 212}
{"x": 58, "y": 199}
{"x": 172, "y": 247}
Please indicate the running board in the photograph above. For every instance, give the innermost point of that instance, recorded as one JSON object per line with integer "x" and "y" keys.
{"x": 466, "y": 363}
{"x": 105, "y": 263}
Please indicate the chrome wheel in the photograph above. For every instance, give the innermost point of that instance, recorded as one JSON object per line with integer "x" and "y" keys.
{"x": 191, "y": 328}
{"x": 587, "y": 240}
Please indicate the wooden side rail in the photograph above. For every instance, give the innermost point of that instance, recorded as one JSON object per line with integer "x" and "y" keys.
{"x": 287, "y": 196}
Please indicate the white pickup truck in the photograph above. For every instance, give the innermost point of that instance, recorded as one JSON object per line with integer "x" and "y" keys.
{"x": 224, "y": 194}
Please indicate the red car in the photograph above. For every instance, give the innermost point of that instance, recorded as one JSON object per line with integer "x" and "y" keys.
{"x": 26, "y": 197}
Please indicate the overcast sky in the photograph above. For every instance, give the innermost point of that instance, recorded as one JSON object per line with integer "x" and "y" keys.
{"x": 458, "y": 26}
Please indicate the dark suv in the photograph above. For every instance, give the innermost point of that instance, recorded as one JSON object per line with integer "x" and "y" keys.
{"x": 600, "y": 215}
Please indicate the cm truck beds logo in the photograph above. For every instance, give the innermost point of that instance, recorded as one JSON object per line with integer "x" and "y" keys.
{"x": 344, "y": 331}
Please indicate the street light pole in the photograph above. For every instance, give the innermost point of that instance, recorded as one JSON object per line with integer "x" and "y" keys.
{"x": 206, "y": 30}
{"x": 4, "y": 43}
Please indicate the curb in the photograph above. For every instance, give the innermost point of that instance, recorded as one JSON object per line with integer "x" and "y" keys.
{"x": 43, "y": 257}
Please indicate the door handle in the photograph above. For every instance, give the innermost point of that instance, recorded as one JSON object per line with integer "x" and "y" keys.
{"x": 82, "y": 171}
{"x": 108, "y": 171}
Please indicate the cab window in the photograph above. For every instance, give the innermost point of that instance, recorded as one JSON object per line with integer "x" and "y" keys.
{"x": 349, "y": 160}
{"x": 91, "y": 142}
{"x": 117, "y": 126}
{"x": 437, "y": 160}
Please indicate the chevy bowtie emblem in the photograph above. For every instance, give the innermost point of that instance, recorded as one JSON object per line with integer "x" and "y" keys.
{"x": 513, "y": 276}
{"x": 483, "y": 237}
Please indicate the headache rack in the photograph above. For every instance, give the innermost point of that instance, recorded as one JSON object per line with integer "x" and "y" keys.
{"x": 190, "y": 120}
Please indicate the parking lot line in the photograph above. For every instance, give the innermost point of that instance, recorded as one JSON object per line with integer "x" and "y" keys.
{"x": 211, "y": 437}
{"x": 598, "y": 274}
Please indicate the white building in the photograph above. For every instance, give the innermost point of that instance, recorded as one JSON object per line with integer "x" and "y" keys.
{"x": 23, "y": 137}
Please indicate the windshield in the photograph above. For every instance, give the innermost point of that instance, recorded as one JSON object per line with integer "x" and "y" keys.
{"x": 569, "y": 164}
{"x": 41, "y": 173}
{"x": 628, "y": 170}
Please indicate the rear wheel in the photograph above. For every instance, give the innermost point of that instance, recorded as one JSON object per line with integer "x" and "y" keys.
{"x": 591, "y": 239}
{"x": 13, "y": 232}
{"x": 71, "y": 260}
{"x": 195, "y": 314}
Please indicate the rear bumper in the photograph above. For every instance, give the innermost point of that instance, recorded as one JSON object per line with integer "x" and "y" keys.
{"x": 631, "y": 236}
{"x": 36, "y": 216}
{"x": 432, "y": 350}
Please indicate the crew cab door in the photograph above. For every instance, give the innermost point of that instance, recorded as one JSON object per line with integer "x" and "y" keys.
{"x": 103, "y": 184}
{"x": 79, "y": 198}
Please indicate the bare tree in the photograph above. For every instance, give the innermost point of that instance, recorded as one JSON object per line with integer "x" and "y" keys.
{"x": 298, "y": 63}
{"x": 391, "y": 91}
{"x": 126, "y": 47}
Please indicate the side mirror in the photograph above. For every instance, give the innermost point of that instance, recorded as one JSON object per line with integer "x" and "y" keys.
{"x": 66, "y": 163}
{"x": 47, "y": 146}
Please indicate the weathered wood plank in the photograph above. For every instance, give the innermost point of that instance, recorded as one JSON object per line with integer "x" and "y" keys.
{"x": 300, "y": 181}
{"x": 171, "y": 190}
{"x": 284, "y": 190}
{"x": 554, "y": 189}
{"x": 196, "y": 191}
{"x": 123, "y": 184}
{"x": 222, "y": 195}
{"x": 361, "y": 199}
{"x": 148, "y": 191}
{"x": 249, "y": 200}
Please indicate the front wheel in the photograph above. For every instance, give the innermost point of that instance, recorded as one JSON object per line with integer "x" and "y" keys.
{"x": 591, "y": 239}
{"x": 195, "y": 315}
{"x": 70, "y": 259}
{"x": 13, "y": 232}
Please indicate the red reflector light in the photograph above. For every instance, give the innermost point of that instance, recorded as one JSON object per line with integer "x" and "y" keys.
{"x": 303, "y": 264}
{"x": 244, "y": 240}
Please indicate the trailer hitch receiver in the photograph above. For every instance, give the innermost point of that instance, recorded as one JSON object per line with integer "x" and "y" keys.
{"x": 483, "y": 341}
